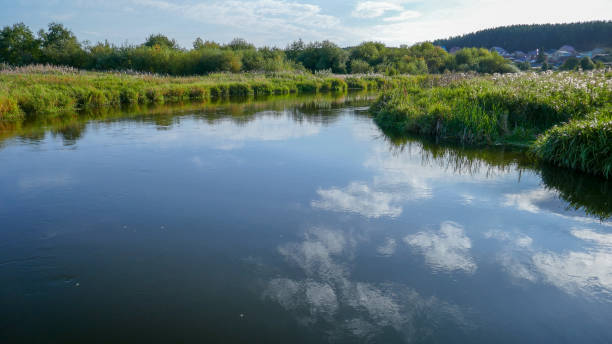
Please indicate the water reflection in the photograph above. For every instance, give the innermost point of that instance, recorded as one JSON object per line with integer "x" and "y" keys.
{"x": 587, "y": 271}
{"x": 327, "y": 295}
{"x": 361, "y": 199}
{"x": 577, "y": 191}
{"x": 71, "y": 126}
{"x": 448, "y": 249}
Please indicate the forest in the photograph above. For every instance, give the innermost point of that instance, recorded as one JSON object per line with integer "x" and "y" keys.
{"x": 582, "y": 36}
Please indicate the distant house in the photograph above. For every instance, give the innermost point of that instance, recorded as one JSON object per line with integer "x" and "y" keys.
{"x": 563, "y": 54}
{"x": 567, "y": 49}
{"x": 500, "y": 51}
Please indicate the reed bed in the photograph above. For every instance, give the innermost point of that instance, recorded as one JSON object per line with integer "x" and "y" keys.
{"x": 564, "y": 116}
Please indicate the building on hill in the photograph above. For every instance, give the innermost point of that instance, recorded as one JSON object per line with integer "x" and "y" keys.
{"x": 500, "y": 51}
{"x": 567, "y": 50}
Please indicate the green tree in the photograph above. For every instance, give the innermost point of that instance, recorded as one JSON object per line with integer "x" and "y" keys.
{"x": 360, "y": 67}
{"x": 161, "y": 41}
{"x": 61, "y": 47}
{"x": 434, "y": 56}
{"x": 18, "y": 46}
{"x": 200, "y": 44}
{"x": 240, "y": 44}
{"x": 524, "y": 65}
{"x": 586, "y": 63}
{"x": 323, "y": 55}
{"x": 370, "y": 52}
{"x": 571, "y": 63}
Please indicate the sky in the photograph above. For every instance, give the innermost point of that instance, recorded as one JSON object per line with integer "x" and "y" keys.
{"x": 279, "y": 22}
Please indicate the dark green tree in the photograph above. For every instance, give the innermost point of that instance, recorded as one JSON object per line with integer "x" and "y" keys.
{"x": 18, "y": 46}
{"x": 61, "y": 47}
{"x": 571, "y": 63}
{"x": 240, "y": 44}
{"x": 586, "y": 63}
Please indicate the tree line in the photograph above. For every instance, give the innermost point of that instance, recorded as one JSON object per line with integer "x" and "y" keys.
{"x": 582, "y": 36}
{"x": 57, "y": 45}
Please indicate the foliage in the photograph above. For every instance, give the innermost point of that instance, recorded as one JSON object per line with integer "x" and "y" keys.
{"x": 59, "y": 46}
{"x": 18, "y": 46}
{"x": 360, "y": 67}
{"x": 161, "y": 41}
{"x": 571, "y": 63}
{"x": 162, "y": 55}
{"x": 586, "y": 63}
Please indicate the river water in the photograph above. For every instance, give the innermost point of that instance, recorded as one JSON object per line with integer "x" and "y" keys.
{"x": 291, "y": 220}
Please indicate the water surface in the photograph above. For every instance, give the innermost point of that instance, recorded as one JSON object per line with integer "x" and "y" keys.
{"x": 291, "y": 220}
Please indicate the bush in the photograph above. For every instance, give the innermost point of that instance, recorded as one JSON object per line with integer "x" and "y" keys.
{"x": 587, "y": 64}
{"x": 571, "y": 63}
{"x": 360, "y": 67}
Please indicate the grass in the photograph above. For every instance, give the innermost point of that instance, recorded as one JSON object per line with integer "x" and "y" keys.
{"x": 562, "y": 116}
{"x": 584, "y": 144}
{"x": 45, "y": 89}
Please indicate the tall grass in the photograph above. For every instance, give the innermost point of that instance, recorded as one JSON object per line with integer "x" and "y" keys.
{"x": 45, "y": 89}
{"x": 584, "y": 145}
{"x": 510, "y": 109}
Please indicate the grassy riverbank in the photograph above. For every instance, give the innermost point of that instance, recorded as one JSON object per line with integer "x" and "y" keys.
{"x": 43, "y": 89}
{"x": 513, "y": 109}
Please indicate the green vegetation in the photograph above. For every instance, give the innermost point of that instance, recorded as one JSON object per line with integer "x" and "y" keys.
{"x": 43, "y": 89}
{"x": 582, "y": 36}
{"x": 512, "y": 109}
{"x": 159, "y": 54}
{"x": 584, "y": 144}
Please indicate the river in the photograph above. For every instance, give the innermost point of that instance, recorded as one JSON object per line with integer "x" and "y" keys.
{"x": 291, "y": 219}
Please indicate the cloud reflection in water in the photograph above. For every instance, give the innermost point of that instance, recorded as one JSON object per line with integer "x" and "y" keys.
{"x": 449, "y": 249}
{"x": 328, "y": 295}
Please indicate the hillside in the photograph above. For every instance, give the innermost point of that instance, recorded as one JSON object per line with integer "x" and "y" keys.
{"x": 582, "y": 36}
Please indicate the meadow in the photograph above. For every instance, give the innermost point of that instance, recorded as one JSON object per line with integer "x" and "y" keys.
{"x": 562, "y": 117}
{"x": 41, "y": 89}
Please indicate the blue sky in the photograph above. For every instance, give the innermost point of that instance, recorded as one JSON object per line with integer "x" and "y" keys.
{"x": 278, "y": 22}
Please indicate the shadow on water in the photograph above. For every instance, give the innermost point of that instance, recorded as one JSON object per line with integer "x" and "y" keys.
{"x": 71, "y": 126}
{"x": 582, "y": 192}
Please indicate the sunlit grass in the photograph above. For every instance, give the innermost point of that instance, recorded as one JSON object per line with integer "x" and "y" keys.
{"x": 512, "y": 109}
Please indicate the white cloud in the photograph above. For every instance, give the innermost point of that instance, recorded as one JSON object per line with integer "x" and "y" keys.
{"x": 264, "y": 18}
{"x": 359, "y": 198}
{"x": 403, "y": 16}
{"x": 447, "y": 250}
{"x": 374, "y": 9}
